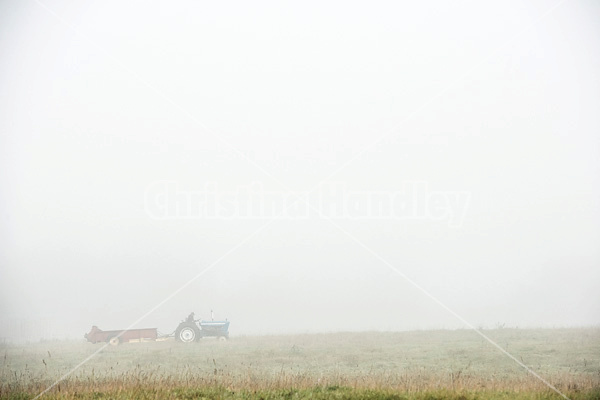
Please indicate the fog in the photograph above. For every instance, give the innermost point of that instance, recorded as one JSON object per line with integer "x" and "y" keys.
{"x": 455, "y": 144}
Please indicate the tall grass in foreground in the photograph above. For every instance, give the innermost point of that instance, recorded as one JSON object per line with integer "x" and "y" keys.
{"x": 161, "y": 390}
{"x": 408, "y": 365}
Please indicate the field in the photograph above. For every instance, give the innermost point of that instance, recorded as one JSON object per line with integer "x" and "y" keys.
{"x": 378, "y": 365}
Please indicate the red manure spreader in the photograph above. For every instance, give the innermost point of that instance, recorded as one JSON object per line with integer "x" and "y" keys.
{"x": 115, "y": 337}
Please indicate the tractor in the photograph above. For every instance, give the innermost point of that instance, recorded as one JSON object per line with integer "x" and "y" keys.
{"x": 191, "y": 330}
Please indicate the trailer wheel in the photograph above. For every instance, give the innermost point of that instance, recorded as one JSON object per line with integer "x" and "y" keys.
{"x": 187, "y": 333}
{"x": 114, "y": 341}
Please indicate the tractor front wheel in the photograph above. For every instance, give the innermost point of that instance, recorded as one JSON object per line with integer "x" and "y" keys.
{"x": 187, "y": 332}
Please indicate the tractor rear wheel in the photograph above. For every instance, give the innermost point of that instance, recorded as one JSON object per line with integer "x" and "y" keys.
{"x": 114, "y": 341}
{"x": 187, "y": 332}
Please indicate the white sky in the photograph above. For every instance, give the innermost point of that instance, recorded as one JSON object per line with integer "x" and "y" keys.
{"x": 137, "y": 93}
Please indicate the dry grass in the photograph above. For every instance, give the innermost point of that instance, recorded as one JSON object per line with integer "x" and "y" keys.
{"x": 438, "y": 364}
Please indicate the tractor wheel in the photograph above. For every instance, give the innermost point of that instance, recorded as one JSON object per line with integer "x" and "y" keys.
{"x": 114, "y": 341}
{"x": 187, "y": 332}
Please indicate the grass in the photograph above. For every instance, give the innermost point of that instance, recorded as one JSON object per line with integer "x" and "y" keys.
{"x": 401, "y": 365}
